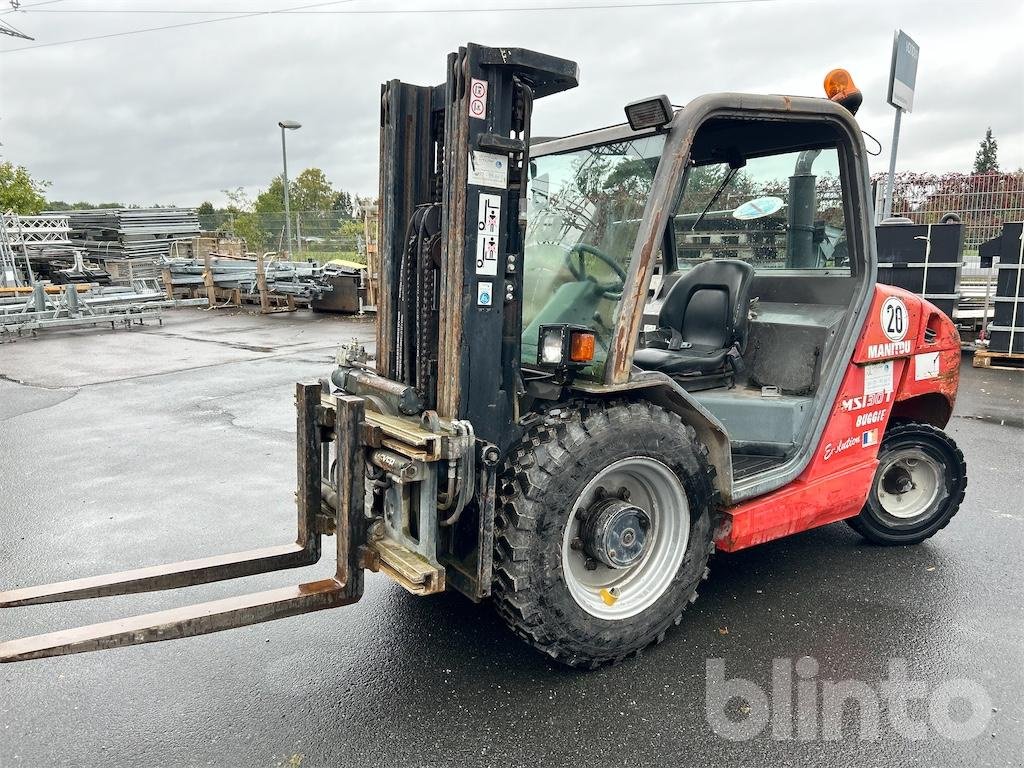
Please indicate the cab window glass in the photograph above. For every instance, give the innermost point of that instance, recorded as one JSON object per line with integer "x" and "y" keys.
{"x": 778, "y": 212}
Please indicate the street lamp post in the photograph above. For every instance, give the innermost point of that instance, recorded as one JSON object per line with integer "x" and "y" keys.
{"x": 289, "y": 125}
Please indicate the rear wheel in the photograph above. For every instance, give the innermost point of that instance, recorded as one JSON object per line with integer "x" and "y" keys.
{"x": 918, "y": 486}
{"x": 604, "y": 531}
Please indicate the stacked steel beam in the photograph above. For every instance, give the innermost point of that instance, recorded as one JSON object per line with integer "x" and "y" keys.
{"x": 301, "y": 279}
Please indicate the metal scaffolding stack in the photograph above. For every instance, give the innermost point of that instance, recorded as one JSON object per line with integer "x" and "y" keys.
{"x": 130, "y": 242}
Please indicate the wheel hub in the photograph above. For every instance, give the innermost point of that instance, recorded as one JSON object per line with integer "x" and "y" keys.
{"x": 897, "y": 481}
{"x": 909, "y": 483}
{"x": 615, "y": 532}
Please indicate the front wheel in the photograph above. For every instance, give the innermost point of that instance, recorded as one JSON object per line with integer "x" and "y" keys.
{"x": 917, "y": 488}
{"x": 604, "y": 531}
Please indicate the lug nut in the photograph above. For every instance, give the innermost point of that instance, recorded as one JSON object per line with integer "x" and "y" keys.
{"x": 591, "y": 564}
{"x": 576, "y": 543}
{"x": 624, "y": 493}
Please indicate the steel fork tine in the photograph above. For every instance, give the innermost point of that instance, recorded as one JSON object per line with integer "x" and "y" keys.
{"x": 189, "y": 621}
{"x": 169, "y": 576}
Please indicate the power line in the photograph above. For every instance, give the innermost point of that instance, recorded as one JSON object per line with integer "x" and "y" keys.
{"x": 176, "y": 26}
{"x": 20, "y": 7}
{"x": 313, "y": 9}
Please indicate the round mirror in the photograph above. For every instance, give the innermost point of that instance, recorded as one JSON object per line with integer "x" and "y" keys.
{"x": 758, "y": 208}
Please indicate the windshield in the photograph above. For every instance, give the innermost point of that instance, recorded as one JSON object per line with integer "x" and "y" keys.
{"x": 583, "y": 214}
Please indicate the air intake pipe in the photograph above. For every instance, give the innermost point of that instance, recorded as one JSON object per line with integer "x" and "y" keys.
{"x": 800, "y": 250}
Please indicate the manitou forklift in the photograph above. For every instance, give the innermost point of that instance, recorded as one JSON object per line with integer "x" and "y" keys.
{"x": 599, "y": 358}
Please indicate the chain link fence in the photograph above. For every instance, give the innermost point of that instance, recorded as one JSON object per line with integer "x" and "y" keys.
{"x": 319, "y": 235}
{"x": 983, "y": 201}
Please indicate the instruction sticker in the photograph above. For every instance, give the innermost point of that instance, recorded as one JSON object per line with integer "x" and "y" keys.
{"x": 487, "y": 170}
{"x": 487, "y": 222}
{"x": 878, "y": 378}
{"x": 926, "y": 366}
{"x": 478, "y": 98}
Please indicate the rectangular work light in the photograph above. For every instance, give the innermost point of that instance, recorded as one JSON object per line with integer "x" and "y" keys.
{"x": 565, "y": 346}
{"x": 654, "y": 112}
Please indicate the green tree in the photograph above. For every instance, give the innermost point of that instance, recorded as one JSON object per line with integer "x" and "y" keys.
{"x": 342, "y": 204}
{"x": 205, "y": 208}
{"x": 311, "y": 190}
{"x": 19, "y": 192}
{"x": 271, "y": 200}
{"x": 244, "y": 221}
{"x": 985, "y": 161}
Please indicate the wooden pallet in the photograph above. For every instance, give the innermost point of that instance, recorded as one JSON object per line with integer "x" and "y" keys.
{"x": 1003, "y": 361}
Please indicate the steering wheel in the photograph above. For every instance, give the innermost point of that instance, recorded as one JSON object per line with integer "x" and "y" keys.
{"x": 575, "y": 260}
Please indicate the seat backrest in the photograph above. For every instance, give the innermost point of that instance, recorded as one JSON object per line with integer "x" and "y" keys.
{"x": 709, "y": 304}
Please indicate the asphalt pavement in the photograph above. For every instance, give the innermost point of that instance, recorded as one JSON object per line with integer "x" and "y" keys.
{"x": 123, "y": 449}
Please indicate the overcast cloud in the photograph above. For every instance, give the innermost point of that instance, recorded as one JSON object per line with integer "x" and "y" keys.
{"x": 176, "y": 116}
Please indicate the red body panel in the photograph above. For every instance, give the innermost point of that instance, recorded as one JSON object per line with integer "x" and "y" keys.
{"x": 906, "y": 361}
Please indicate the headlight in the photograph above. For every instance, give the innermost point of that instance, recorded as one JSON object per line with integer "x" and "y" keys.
{"x": 565, "y": 346}
{"x": 655, "y": 112}
{"x": 551, "y": 347}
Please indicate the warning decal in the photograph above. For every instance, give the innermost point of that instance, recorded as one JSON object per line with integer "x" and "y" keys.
{"x": 488, "y": 221}
{"x": 478, "y": 98}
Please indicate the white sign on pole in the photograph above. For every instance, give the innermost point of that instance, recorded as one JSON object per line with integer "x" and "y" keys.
{"x": 903, "y": 73}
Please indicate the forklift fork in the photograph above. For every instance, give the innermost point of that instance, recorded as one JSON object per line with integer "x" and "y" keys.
{"x": 322, "y": 419}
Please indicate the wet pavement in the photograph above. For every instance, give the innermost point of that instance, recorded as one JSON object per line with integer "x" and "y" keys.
{"x": 128, "y": 449}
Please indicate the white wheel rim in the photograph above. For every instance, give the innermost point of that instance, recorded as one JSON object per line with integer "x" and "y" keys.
{"x": 925, "y": 474}
{"x": 616, "y": 594}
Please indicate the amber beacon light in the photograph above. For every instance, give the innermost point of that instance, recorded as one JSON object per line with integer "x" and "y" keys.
{"x": 840, "y": 88}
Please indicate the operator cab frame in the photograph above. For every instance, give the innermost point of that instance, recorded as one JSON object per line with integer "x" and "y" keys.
{"x": 804, "y": 287}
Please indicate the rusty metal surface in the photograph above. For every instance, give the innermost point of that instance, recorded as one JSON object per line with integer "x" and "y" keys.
{"x": 169, "y": 576}
{"x": 453, "y": 240}
{"x": 308, "y": 417}
{"x": 408, "y": 434}
{"x": 351, "y": 473}
{"x": 406, "y": 157}
{"x": 407, "y": 568}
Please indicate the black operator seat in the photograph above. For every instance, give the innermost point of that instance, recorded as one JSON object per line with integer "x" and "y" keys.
{"x": 702, "y": 322}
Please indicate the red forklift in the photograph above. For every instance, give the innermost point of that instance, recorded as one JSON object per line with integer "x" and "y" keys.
{"x": 599, "y": 358}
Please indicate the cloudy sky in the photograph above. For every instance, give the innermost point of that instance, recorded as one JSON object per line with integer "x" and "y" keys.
{"x": 176, "y": 116}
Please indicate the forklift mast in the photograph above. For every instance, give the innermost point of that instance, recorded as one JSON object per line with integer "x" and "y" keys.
{"x": 454, "y": 169}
